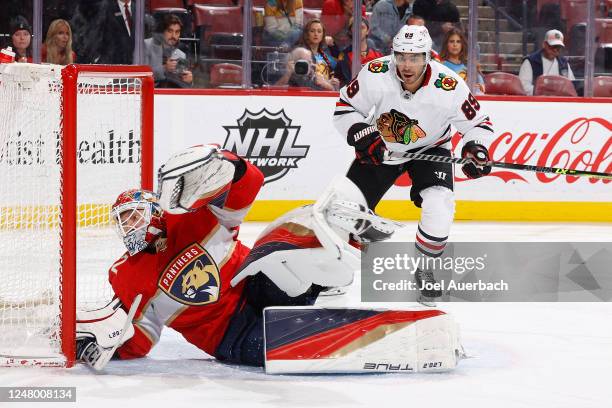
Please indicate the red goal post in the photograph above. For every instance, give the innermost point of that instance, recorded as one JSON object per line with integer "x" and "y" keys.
{"x": 103, "y": 145}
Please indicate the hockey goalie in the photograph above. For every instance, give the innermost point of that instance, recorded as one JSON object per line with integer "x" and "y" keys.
{"x": 185, "y": 268}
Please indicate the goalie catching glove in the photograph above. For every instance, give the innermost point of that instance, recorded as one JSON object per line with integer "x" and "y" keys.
{"x": 195, "y": 177}
{"x": 100, "y": 332}
{"x": 369, "y": 146}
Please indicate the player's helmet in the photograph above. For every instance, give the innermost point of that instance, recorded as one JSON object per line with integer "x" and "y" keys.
{"x": 138, "y": 218}
{"x": 413, "y": 39}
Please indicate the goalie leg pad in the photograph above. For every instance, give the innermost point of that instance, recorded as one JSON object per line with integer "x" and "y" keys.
{"x": 342, "y": 340}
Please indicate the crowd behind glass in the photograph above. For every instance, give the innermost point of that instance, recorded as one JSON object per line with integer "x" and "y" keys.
{"x": 522, "y": 47}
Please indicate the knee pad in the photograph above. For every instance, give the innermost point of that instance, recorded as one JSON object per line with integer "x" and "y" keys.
{"x": 437, "y": 210}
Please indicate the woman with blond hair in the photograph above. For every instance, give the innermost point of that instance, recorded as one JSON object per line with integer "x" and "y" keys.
{"x": 57, "y": 48}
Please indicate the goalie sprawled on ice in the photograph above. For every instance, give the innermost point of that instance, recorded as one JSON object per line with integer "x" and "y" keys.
{"x": 195, "y": 276}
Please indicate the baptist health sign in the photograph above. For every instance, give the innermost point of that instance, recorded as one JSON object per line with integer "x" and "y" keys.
{"x": 292, "y": 139}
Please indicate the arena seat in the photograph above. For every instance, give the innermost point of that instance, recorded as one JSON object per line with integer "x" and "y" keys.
{"x": 574, "y": 12}
{"x": 309, "y": 14}
{"x": 603, "y": 29}
{"x": 554, "y": 85}
{"x": 218, "y": 25}
{"x": 313, "y": 4}
{"x": 157, "y": 4}
{"x": 602, "y": 86}
{"x": 503, "y": 83}
{"x": 225, "y": 75}
{"x": 215, "y": 2}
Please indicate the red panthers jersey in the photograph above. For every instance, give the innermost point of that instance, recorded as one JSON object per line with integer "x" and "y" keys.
{"x": 185, "y": 284}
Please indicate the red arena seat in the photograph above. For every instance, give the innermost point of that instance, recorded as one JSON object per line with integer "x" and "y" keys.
{"x": 503, "y": 83}
{"x": 603, "y": 29}
{"x": 553, "y": 85}
{"x": 574, "y": 12}
{"x": 602, "y": 86}
{"x": 225, "y": 75}
{"x": 309, "y": 14}
{"x": 316, "y": 4}
{"x": 217, "y": 20}
{"x": 215, "y": 2}
{"x": 157, "y": 4}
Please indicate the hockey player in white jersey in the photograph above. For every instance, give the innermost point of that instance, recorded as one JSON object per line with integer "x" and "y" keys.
{"x": 405, "y": 102}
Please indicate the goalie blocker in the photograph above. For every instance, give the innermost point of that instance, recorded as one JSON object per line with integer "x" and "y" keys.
{"x": 346, "y": 340}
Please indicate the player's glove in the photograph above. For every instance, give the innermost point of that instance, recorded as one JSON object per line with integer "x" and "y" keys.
{"x": 480, "y": 155}
{"x": 369, "y": 146}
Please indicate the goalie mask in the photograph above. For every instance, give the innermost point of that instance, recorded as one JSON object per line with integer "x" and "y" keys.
{"x": 138, "y": 219}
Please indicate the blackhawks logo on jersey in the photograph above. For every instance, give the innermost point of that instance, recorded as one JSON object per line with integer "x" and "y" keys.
{"x": 378, "y": 67}
{"x": 395, "y": 127}
{"x": 192, "y": 277}
{"x": 445, "y": 82}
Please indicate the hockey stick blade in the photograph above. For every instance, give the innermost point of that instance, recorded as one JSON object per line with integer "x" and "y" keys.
{"x": 395, "y": 156}
{"x": 99, "y": 365}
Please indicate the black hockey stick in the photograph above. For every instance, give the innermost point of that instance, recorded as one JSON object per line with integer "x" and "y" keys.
{"x": 514, "y": 166}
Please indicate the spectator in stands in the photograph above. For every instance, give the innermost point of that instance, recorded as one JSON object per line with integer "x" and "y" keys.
{"x": 340, "y": 7}
{"x": 57, "y": 48}
{"x": 313, "y": 39}
{"x": 21, "y": 39}
{"x": 454, "y": 55}
{"x": 283, "y": 21}
{"x": 387, "y": 18}
{"x": 301, "y": 72}
{"x": 117, "y": 40}
{"x": 367, "y": 53}
{"x": 168, "y": 62}
{"x": 436, "y": 10}
{"x": 545, "y": 61}
{"x": 441, "y": 16}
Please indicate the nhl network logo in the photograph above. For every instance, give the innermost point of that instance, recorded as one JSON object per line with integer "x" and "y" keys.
{"x": 268, "y": 141}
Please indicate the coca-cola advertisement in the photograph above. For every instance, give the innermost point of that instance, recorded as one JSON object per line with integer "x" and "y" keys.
{"x": 564, "y": 135}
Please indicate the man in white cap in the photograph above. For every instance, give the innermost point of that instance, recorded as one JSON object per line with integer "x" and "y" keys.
{"x": 545, "y": 61}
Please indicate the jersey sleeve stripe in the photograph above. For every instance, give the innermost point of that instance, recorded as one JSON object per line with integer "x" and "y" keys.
{"x": 338, "y": 113}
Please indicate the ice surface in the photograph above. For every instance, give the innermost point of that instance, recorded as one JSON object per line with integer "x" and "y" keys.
{"x": 525, "y": 355}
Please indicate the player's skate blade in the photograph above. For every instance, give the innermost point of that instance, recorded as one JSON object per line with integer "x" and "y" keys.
{"x": 426, "y": 301}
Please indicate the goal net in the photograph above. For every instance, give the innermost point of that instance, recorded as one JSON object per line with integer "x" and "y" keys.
{"x": 71, "y": 139}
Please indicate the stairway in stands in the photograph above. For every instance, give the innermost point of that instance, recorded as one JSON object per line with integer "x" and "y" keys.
{"x": 510, "y": 48}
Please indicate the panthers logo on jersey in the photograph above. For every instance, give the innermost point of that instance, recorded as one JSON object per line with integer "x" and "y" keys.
{"x": 192, "y": 277}
{"x": 395, "y": 127}
{"x": 378, "y": 67}
{"x": 445, "y": 82}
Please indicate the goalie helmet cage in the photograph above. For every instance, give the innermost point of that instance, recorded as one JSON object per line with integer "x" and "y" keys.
{"x": 85, "y": 125}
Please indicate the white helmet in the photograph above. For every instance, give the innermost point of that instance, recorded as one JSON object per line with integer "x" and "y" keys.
{"x": 413, "y": 39}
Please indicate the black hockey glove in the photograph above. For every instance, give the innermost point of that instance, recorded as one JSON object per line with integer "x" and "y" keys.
{"x": 369, "y": 146}
{"x": 479, "y": 154}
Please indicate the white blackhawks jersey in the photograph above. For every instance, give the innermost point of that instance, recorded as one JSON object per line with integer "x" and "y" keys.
{"x": 412, "y": 122}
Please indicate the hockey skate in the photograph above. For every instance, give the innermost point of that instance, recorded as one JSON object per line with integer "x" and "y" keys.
{"x": 426, "y": 296}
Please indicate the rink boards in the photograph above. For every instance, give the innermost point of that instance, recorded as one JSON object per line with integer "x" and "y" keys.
{"x": 292, "y": 139}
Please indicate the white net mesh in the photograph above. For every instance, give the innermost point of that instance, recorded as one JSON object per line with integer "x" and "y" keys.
{"x": 108, "y": 162}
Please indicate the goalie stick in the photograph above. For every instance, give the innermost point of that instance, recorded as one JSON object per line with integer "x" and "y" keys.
{"x": 98, "y": 364}
{"x": 390, "y": 156}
